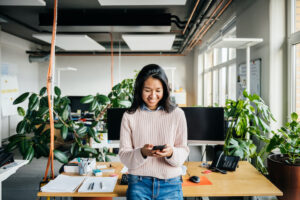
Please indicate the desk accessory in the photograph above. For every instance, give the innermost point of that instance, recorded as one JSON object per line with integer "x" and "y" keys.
{"x": 124, "y": 179}
{"x": 101, "y": 184}
{"x": 223, "y": 163}
{"x": 195, "y": 179}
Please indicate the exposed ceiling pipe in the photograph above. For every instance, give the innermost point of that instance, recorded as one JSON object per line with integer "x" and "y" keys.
{"x": 219, "y": 14}
{"x": 205, "y": 24}
{"x": 191, "y": 16}
{"x": 196, "y": 25}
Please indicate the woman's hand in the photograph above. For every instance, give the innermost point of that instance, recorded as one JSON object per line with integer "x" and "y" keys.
{"x": 166, "y": 152}
{"x": 147, "y": 150}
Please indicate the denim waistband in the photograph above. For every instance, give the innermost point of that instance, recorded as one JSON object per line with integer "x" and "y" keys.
{"x": 154, "y": 178}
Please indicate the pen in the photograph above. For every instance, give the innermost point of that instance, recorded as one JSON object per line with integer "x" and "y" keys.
{"x": 101, "y": 185}
{"x": 92, "y": 187}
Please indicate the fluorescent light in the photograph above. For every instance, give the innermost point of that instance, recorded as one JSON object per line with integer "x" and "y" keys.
{"x": 141, "y": 2}
{"x": 72, "y": 42}
{"x": 149, "y": 42}
{"x": 22, "y": 3}
{"x": 238, "y": 43}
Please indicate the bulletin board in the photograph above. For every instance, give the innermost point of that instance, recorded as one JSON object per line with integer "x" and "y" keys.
{"x": 255, "y": 71}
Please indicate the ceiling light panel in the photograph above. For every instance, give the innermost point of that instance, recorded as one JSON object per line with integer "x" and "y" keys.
{"x": 72, "y": 42}
{"x": 149, "y": 42}
{"x": 141, "y": 2}
{"x": 22, "y": 3}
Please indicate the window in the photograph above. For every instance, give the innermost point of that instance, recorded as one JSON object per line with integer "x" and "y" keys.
{"x": 294, "y": 57}
{"x": 219, "y": 75}
{"x": 217, "y": 70}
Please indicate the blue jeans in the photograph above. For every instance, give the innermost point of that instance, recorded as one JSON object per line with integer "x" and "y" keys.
{"x": 150, "y": 188}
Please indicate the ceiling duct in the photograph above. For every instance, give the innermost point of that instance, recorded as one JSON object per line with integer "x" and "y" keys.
{"x": 100, "y": 21}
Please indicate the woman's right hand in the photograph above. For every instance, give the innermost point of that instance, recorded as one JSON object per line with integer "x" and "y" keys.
{"x": 147, "y": 150}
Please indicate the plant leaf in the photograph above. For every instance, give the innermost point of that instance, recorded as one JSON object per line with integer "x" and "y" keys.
{"x": 64, "y": 132}
{"x": 21, "y": 127}
{"x": 65, "y": 114}
{"x": 60, "y": 156}
{"x": 21, "y": 111}
{"x": 90, "y": 150}
{"x": 102, "y": 99}
{"x": 42, "y": 91}
{"x": 29, "y": 154}
{"x": 87, "y": 99}
{"x": 21, "y": 98}
{"x": 294, "y": 116}
{"x": 57, "y": 91}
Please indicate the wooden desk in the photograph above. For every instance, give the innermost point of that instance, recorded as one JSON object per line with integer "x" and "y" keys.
{"x": 245, "y": 181}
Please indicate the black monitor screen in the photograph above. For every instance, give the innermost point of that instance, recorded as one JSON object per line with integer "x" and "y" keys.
{"x": 114, "y": 118}
{"x": 205, "y": 123}
{"x": 76, "y": 105}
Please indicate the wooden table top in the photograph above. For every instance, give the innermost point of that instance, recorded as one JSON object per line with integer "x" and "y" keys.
{"x": 245, "y": 181}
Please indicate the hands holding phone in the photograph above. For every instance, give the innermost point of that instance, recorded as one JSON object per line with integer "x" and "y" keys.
{"x": 157, "y": 151}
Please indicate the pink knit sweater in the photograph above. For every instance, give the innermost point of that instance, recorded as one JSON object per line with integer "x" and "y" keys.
{"x": 157, "y": 128}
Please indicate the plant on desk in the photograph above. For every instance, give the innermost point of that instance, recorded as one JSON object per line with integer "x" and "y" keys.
{"x": 248, "y": 120}
{"x": 33, "y": 132}
{"x": 284, "y": 168}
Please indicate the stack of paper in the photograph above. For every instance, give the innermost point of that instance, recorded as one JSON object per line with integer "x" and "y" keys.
{"x": 63, "y": 183}
{"x": 101, "y": 184}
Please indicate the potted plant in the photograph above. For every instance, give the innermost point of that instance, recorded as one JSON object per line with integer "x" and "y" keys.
{"x": 248, "y": 120}
{"x": 120, "y": 97}
{"x": 33, "y": 133}
{"x": 284, "y": 168}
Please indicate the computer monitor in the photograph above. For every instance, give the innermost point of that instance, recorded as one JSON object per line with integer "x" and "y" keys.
{"x": 114, "y": 118}
{"x": 203, "y": 124}
{"x": 76, "y": 105}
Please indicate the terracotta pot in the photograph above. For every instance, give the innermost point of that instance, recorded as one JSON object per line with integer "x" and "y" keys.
{"x": 285, "y": 177}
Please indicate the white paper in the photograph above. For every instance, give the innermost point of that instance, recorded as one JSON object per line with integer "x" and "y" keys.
{"x": 124, "y": 170}
{"x": 108, "y": 184}
{"x": 63, "y": 183}
{"x": 9, "y": 92}
{"x": 101, "y": 166}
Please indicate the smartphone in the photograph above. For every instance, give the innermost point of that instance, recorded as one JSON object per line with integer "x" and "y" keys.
{"x": 159, "y": 147}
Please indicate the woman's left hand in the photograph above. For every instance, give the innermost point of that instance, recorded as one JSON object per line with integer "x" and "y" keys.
{"x": 166, "y": 152}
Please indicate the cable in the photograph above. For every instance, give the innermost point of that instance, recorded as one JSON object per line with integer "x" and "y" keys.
{"x": 50, "y": 92}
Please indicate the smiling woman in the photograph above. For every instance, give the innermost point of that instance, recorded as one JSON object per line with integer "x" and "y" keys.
{"x": 153, "y": 121}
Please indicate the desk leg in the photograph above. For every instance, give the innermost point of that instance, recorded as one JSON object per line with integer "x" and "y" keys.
{"x": 203, "y": 153}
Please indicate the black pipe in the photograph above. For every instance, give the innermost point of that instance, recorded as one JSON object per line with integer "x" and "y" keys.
{"x": 200, "y": 17}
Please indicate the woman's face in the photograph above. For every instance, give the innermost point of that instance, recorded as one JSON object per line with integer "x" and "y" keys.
{"x": 152, "y": 92}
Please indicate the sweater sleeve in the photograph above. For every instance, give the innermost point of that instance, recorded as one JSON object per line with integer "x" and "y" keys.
{"x": 180, "y": 149}
{"x": 132, "y": 158}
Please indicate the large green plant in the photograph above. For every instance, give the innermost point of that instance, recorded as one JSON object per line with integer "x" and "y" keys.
{"x": 33, "y": 132}
{"x": 287, "y": 139}
{"x": 248, "y": 119}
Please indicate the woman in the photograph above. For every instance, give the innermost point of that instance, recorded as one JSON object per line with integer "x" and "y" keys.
{"x": 153, "y": 120}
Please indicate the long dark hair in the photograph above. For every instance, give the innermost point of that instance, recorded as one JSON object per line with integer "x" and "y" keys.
{"x": 154, "y": 71}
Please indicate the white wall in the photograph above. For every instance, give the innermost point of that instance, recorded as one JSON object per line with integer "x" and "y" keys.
{"x": 269, "y": 23}
{"x": 93, "y": 72}
{"x": 13, "y": 52}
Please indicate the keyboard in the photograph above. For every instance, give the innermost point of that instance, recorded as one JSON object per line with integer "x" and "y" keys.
{"x": 124, "y": 179}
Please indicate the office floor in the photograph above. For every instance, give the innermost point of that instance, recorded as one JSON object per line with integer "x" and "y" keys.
{"x": 24, "y": 184}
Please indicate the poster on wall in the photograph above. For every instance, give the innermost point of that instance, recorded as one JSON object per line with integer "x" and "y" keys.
{"x": 9, "y": 92}
{"x": 255, "y": 66}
